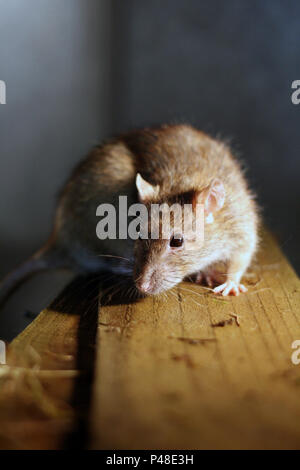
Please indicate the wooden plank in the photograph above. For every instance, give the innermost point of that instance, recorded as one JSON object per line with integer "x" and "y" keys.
{"x": 160, "y": 373}
{"x": 44, "y": 388}
{"x": 236, "y": 388}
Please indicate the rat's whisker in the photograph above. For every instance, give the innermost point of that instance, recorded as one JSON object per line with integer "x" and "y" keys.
{"x": 114, "y": 256}
{"x": 191, "y": 291}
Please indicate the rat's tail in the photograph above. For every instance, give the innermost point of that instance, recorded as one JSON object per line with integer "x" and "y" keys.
{"x": 46, "y": 258}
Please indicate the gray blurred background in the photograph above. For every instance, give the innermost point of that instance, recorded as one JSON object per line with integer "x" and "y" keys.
{"x": 77, "y": 71}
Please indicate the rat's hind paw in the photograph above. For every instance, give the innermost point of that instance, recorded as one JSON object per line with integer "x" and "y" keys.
{"x": 230, "y": 287}
{"x": 210, "y": 277}
{"x": 204, "y": 278}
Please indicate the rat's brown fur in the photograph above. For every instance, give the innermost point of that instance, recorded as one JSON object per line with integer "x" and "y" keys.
{"x": 180, "y": 160}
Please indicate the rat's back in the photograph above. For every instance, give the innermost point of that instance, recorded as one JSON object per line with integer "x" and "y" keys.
{"x": 180, "y": 157}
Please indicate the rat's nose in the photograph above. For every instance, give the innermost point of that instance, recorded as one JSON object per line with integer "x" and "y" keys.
{"x": 145, "y": 286}
{"x": 146, "y": 283}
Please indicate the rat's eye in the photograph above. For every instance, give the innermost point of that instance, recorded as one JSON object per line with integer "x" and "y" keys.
{"x": 176, "y": 242}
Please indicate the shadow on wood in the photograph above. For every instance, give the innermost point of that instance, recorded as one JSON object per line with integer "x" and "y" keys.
{"x": 83, "y": 297}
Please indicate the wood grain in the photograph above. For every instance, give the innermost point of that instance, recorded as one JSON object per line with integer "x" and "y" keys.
{"x": 45, "y": 386}
{"x": 238, "y": 389}
{"x": 161, "y": 373}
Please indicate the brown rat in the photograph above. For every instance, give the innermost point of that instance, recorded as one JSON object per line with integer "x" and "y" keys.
{"x": 155, "y": 165}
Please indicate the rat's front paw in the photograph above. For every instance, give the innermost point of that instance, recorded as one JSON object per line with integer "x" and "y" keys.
{"x": 230, "y": 287}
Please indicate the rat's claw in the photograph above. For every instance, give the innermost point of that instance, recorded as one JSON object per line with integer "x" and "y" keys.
{"x": 242, "y": 288}
{"x": 230, "y": 287}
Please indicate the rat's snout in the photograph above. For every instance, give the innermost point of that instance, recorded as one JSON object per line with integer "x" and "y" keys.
{"x": 155, "y": 281}
{"x": 144, "y": 286}
{"x": 146, "y": 282}
{"x": 155, "y": 270}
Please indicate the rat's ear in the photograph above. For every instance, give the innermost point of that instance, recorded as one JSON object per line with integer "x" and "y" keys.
{"x": 146, "y": 190}
{"x": 213, "y": 197}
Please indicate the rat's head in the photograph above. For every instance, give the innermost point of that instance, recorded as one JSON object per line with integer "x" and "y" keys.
{"x": 170, "y": 246}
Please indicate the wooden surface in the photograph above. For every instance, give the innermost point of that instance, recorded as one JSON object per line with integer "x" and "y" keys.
{"x": 182, "y": 370}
